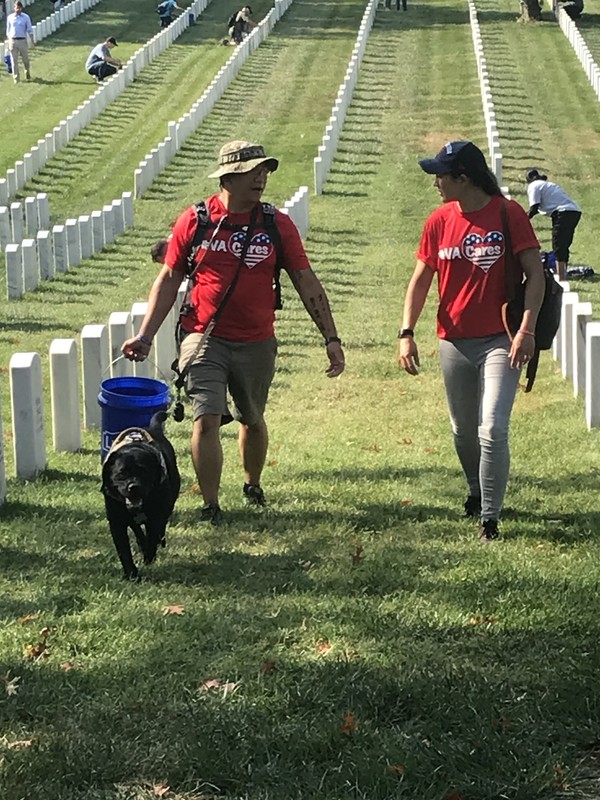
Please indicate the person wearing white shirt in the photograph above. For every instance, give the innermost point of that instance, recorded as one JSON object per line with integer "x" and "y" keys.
{"x": 549, "y": 198}
{"x": 19, "y": 31}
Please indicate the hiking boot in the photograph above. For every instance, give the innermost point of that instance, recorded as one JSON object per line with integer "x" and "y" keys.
{"x": 473, "y": 506}
{"x": 211, "y": 513}
{"x": 254, "y": 495}
{"x": 28, "y": 75}
{"x": 488, "y": 531}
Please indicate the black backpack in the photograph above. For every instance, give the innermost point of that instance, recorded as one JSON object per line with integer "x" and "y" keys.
{"x": 204, "y": 223}
{"x": 232, "y": 20}
{"x": 162, "y": 7}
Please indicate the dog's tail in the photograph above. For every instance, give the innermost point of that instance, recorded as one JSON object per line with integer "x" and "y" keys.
{"x": 155, "y": 428}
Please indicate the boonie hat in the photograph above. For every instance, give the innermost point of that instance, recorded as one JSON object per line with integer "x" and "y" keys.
{"x": 112, "y": 40}
{"x": 239, "y": 157}
{"x": 462, "y": 157}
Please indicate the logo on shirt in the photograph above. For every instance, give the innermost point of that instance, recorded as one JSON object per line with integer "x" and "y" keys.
{"x": 259, "y": 249}
{"x": 483, "y": 251}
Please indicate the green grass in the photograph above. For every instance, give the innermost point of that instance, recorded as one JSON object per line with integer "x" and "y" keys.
{"x": 465, "y": 670}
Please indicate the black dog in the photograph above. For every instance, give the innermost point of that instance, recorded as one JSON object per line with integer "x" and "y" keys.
{"x": 140, "y": 482}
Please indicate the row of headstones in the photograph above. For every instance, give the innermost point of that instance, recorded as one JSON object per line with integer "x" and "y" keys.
{"x": 571, "y": 31}
{"x": 111, "y": 88}
{"x": 577, "y": 348}
{"x": 23, "y": 219}
{"x": 329, "y": 143}
{"x": 52, "y": 22}
{"x": 51, "y": 252}
{"x": 178, "y": 131}
{"x": 100, "y": 358}
{"x": 489, "y": 112}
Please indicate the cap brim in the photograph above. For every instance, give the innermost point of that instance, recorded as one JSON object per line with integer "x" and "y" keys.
{"x": 432, "y": 166}
{"x": 240, "y": 167}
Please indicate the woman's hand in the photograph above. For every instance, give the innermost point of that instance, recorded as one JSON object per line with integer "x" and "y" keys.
{"x": 408, "y": 355}
{"x": 521, "y": 350}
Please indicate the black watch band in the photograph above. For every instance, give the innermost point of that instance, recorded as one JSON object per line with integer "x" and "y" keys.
{"x": 331, "y": 339}
{"x": 403, "y": 333}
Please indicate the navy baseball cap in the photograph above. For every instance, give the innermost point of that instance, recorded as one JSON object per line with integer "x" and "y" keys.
{"x": 464, "y": 158}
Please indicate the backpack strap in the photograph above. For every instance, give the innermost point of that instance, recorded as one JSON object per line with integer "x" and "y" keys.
{"x": 269, "y": 211}
{"x": 202, "y": 223}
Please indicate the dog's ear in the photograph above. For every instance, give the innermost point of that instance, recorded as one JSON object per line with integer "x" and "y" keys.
{"x": 108, "y": 487}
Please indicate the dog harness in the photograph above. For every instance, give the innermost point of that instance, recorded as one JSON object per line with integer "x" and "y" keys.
{"x": 138, "y": 436}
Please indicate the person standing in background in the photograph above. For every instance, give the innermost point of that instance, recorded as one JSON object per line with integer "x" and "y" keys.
{"x": 19, "y": 31}
{"x": 549, "y": 198}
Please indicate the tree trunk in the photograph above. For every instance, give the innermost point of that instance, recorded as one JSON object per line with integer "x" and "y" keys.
{"x": 530, "y": 10}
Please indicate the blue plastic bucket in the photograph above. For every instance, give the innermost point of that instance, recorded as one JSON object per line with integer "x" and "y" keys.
{"x": 129, "y": 402}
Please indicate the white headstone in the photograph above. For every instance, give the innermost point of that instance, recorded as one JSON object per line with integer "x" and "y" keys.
{"x": 14, "y": 271}
{"x": 45, "y": 255}
{"x": 64, "y": 390}
{"x": 59, "y": 245}
{"x": 119, "y": 329}
{"x": 31, "y": 270}
{"x": 29, "y": 439}
{"x": 95, "y": 361}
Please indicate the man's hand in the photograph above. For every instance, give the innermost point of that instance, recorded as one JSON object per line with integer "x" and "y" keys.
{"x": 335, "y": 354}
{"x": 135, "y": 350}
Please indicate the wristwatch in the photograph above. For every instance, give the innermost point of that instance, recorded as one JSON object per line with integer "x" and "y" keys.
{"x": 405, "y": 333}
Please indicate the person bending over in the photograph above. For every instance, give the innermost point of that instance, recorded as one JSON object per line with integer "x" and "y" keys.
{"x": 100, "y": 63}
{"x": 549, "y": 198}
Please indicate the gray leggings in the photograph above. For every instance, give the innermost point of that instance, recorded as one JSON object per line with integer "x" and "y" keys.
{"x": 481, "y": 389}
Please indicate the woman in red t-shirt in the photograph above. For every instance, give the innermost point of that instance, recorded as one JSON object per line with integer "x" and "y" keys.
{"x": 463, "y": 242}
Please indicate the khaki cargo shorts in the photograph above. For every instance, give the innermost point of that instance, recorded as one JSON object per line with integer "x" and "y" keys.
{"x": 246, "y": 369}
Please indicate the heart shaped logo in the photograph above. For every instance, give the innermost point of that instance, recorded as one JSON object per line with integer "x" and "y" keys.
{"x": 260, "y": 248}
{"x": 483, "y": 251}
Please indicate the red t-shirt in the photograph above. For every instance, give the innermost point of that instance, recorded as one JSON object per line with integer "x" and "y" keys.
{"x": 249, "y": 313}
{"x": 467, "y": 252}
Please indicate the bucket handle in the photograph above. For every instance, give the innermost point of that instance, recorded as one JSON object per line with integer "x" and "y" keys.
{"x": 154, "y": 364}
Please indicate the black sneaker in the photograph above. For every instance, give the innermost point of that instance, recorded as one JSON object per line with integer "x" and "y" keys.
{"x": 211, "y": 513}
{"x": 488, "y": 531}
{"x": 254, "y": 495}
{"x": 473, "y": 506}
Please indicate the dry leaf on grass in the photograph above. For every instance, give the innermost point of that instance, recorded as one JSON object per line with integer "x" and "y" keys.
{"x": 28, "y": 618}
{"x": 268, "y": 667}
{"x": 323, "y": 647}
{"x": 10, "y": 684}
{"x": 482, "y": 619}
{"x": 357, "y": 556}
{"x": 20, "y": 744}
{"x": 406, "y": 503}
{"x": 396, "y": 769}
{"x": 177, "y": 610}
{"x": 306, "y": 565}
{"x": 454, "y": 796}
{"x": 216, "y": 683}
{"x": 349, "y": 725}
{"x": 67, "y": 666}
{"x": 160, "y": 789}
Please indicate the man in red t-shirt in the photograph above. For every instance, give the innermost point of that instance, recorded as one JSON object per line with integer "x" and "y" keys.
{"x": 238, "y": 354}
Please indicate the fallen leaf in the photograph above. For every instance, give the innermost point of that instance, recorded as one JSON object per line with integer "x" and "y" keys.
{"x": 19, "y": 744}
{"x": 212, "y": 683}
{"x": 177, "y": 610}
{"x": 67, "y": 666}
{"x": 406, "y": 503}
{"x": 268, "y": 667}
{"x": 454, "y": 796}
{"x": 306, "y": 565}
{"x": 372, "y": 448}
{"x": 33, "y": 652}
{"x": 358, "y": 554}
{"x": 229, "y": 688}
{"x": 482, "y": 619}
{"x": 406, "y": 441}
{"x": 45, "y": 632}
{"x": 28, "y": 618}
{"x": 396, "y": 769}
{"x": 10, "y": 684}
{"x": 272, "y": 462}
{"x": 323, "y": 647}
{"x": 429, "y": 450}
{"x": 160, "y": 789}
{"x": 349, "y": 725}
